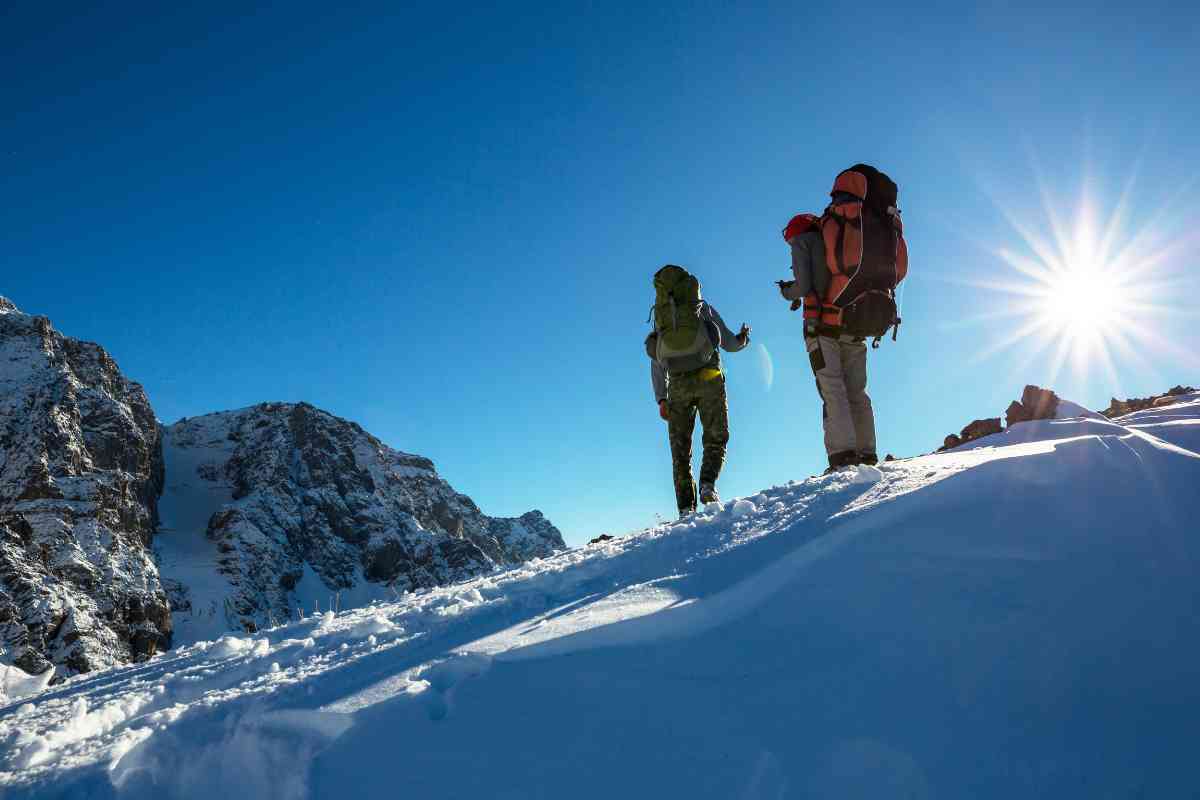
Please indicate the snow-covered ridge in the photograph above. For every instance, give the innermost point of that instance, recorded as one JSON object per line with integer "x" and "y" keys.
{"x": 1012, "y": 619}
{"x": 288, "y": 507}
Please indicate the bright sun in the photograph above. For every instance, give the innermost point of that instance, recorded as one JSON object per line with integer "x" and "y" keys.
{"x": 1082, "y": 300}
{"x": 1083, "y": 288}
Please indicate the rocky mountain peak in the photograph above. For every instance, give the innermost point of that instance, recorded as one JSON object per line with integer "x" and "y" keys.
{"x": 80, "y": 473}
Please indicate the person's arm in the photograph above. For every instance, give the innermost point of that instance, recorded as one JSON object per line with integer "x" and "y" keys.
{"x": 659, "y": 381}
{"x": 802, "y": 265}
{"x": 730, "y": 341}
{"x": 821, "y": 276}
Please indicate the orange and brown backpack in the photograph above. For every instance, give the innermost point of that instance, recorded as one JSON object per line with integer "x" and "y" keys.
{"x": 865, "y": 252}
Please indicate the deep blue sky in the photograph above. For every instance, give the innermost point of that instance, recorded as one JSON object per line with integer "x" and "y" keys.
{"x": 441, "y": 221}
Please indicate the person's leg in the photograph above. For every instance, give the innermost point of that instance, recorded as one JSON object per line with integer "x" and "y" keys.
{"x": 854, "y": 368}
{"x": 681, "y": 422}
{"x": 826, "y": 361}
{"x": 714, "y": 417}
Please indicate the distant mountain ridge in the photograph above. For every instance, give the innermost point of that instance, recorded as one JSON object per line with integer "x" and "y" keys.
{"x": 282, "y": 497}
{"x": 308, "y": 490}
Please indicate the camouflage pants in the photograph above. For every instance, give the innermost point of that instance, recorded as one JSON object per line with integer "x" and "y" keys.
{"x": 701, "y": 391}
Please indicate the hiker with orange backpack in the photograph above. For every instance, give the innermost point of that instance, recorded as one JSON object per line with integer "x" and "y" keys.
{"x": 846, "y": 266}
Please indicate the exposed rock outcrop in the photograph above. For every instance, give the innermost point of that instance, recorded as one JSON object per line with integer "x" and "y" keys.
{"x": 1119, "y": 408}
{"x": 980, "y": 428}
{"x": 80, "y": 470}
{"x": 1035, "y": 403}
{"x": 974, "y": 430}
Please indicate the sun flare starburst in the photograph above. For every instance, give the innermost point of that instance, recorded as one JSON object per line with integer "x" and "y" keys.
{"x": 1088, "y": 288}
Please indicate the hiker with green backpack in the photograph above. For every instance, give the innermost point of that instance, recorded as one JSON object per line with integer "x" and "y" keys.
{"x": 686, "y": 377}
{"x": 846, "y": 265}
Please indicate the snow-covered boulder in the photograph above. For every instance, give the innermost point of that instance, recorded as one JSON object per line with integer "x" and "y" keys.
{"x": 80, "y": 471}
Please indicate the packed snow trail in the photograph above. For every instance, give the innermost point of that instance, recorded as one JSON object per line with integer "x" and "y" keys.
{"x": 1012, "y": 618}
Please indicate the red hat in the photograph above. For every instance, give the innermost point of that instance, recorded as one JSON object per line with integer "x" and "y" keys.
{"x": 801, "y": 223}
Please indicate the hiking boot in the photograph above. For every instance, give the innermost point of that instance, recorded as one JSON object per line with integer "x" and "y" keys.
{"x": 871, "y": 459}
{"x": 708, "y": 493}
{"x": 683, "y": 512}
{"x": 846, "y": 458}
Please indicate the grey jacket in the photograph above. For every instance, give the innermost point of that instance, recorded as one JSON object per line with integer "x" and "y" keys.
{"x": 808, "y": 266}
{"x": 727, "y": 340}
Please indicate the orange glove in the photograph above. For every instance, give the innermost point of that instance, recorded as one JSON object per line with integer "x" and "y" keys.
{"x": 662, "y": 410}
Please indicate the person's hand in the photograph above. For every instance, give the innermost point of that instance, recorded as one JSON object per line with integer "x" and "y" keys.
{"x": 783, "y": 288}
{"x": 744, "y": 334}
{"x": 797, "y": 305}
{"x": 662, "y": 410}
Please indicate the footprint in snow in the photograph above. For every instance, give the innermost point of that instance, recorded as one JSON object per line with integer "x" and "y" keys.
{"x": 446, "y": 675}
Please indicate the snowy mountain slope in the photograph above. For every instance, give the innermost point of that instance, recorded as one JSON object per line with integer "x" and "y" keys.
{"x": 1015, "y": 618}
{"x": 80, "y": 470}
{"x": 280, "y": 507}
{"x": 1178, "y": 423}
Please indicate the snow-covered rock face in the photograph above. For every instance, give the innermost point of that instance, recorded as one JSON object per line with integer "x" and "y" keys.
{"x": 80, "y": 471}
{"x": 295, "y": 491}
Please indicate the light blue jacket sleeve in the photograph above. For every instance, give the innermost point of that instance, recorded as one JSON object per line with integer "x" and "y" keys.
{"x": 730, "y": 341}
{"x": 809, "y": 270}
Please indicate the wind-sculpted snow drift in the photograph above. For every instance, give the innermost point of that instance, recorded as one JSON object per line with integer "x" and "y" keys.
{"x": 1015, "y": 618}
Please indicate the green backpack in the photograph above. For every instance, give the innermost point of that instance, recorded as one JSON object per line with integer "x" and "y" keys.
{"x": 683, "y": 341}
